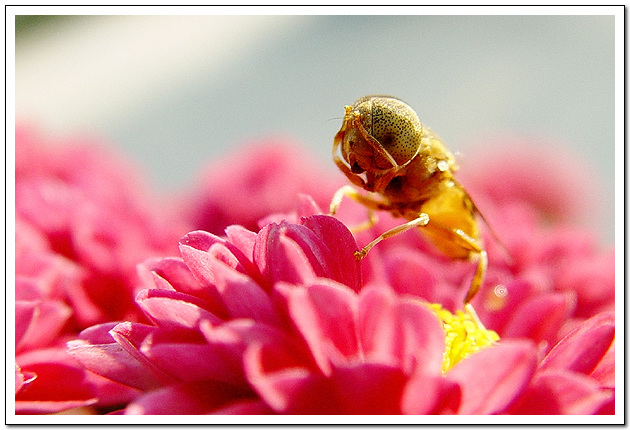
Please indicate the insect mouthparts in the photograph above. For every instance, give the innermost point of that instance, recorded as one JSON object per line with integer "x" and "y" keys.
{"x": 357, "y": 169}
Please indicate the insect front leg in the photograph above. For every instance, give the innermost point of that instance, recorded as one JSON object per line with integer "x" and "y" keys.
{"x": 371, "y": 204}
{"x": 349, "y": 191}
{"x": 421, "y": 221}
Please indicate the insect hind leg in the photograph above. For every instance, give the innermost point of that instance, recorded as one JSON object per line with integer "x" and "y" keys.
{"x": 482, "y": 265}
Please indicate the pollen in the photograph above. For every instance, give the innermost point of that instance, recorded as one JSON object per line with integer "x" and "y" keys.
{"x": 464, "y": 335}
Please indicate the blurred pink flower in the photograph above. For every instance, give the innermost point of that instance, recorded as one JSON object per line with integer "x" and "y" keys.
{"x": 83, "y": 223}
{"x": 90, "y": 206}
{"x": 258, "y": 180}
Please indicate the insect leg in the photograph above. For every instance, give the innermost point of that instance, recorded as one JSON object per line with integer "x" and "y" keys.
{"x": 464, "y": 245}
{"x": 422, "y": 220}
{"x": 471, "y": 311}
{"x": 349, "y": 191}
{"x": 482, "y": 265}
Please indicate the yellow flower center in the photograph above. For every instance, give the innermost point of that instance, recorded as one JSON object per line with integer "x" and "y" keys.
{"x": 464, "y": 334}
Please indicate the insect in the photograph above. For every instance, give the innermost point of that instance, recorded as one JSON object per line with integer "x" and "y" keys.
{"x": 383, "y": 148}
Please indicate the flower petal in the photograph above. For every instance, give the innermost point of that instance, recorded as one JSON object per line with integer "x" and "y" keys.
{"x": 540, "y": 318}
{"x": 286, "y": 388}
{"x": 368, "y": 388}
{"x": 491, "y": 379}
{"x": 22, "y": 378}
{"x": 321, "y": 247}
{"x": 308, "y": 206}
{"x": 173, "y": 310}
{"x": 39, "y": 323}
{"x": 195, "y": 362}
{"x": 171, "y": 269}
{"x": 244, "y": 407}
{"x": 583, "y": 348}
{"x": 341, "y": 264}
{"x": 280, "y": 258}
{"x": 118, "y": 359}
{"x": 203, "y": 241}
{"x": 59, "y": 383}
{"x": 241, "y": 296}
{"x": 218, "y": 359}
{"x": 604, "y": 373}
{"x": 114, "y": 363}
{"x": 412, "y": 272}
{"x": 324, "y": 313}
{"x": 398, "y": 332}
{"x": 242, "y": 239}
{"x": 185, "y": 399}
{"x": 430, "y": 394}
{"x": 561, "y": 392}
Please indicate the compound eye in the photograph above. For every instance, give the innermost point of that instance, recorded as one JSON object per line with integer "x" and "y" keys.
{"x": 397, "y": 128}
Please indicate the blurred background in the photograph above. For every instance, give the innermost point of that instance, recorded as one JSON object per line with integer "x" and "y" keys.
{"x": 175, "y": 92}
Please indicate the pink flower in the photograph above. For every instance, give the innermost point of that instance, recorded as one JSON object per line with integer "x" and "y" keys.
{"x": 268, "y": 323}
{"x": 270, "y": 312}
{"x": 82, "y": 226}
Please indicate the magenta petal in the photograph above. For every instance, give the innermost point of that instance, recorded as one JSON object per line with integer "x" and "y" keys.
{"x": 491, "y": 379}
{"x": 583, "y": 348}
{"x": 413, "y": 272}
{"x": 113, "y": 362}
{"x": 324, "y": 313}
{"x": 218, "y": 359}
{"x": 171, "y": 310}
{"x": 241, "y": 296}
{"x": 196, "y": 398}
{"x": 50, "y": 407}
{"x": 200, "y": 240}
{"x": 195, "y": 362}
{"x": 540, "y": 318}
{"x": 134, "y": 338}
{"x": 244, "y": 407}
{"x": 171, "y": 269}
{"x": 120, "y": 361}
{"x": 22, "y": 378}
{"x": 287, "y": 390}
{"x": 19, "y": 378}
{"x": 59, "y": 383}
{"x": 402, "y": 333}
{"x": 561, "y": 392}
{"x": 38, "y": 323}
{"x": 242, "y": 239}
{"x": 203, "y": 241}
{"x": 343, "y": 267}
{"x": 281, "y": 259}
{"x": 321, "y": 247}
{"x": 199, "y": 264}
{"x": 233, "y": 336}
{"x": 604, "y": 373}
{"x": 24, "y": 315}
{"x": 368, "y": 388}
{"x": 307, "y": 206}
{"x": 97, "y": 334}
{"x": 430, "y": 394}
